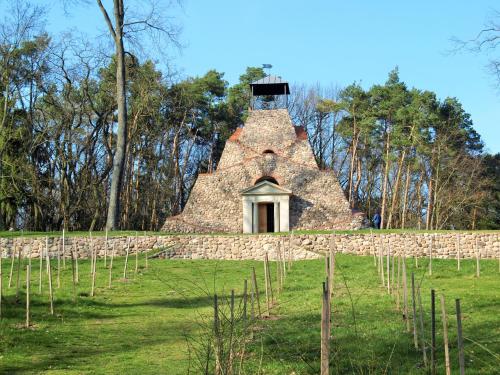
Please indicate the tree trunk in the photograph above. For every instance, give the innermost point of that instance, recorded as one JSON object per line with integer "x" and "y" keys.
{"x": 430, "y": 198}
{"x": 435, "y": 203}
{"x": 474, "y": 214}
{"x": 419, "y": 200}
{"x": 352, "y": 167}
{"x": 112, "y": 222}
{"x": 405, "y": 196}
{"x": 358, "y": 183}
{"x": 386, "y": 177}
{"x": 396, "y": 188}
{"x": 354, "y": 146}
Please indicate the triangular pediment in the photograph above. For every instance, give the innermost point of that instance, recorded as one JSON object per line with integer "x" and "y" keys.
{"x": 265, "y": 188}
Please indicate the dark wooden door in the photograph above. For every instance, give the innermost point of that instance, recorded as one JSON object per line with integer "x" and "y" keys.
{"x": 262, "y": 218}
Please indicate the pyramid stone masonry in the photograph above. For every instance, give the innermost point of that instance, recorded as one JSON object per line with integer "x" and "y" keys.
{"x": 267, "y": 180}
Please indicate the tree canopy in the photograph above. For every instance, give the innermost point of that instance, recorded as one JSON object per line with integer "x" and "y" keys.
{"x": 402, "y": 151}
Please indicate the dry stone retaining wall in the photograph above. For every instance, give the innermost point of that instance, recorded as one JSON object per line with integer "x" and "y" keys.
{"x": 238, "y": 247}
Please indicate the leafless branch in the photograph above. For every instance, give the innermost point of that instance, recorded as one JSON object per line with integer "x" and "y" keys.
{"x": 487, "y": 41}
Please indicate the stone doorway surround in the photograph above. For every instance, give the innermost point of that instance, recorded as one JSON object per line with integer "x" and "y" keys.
{"x": 266, "y": 192}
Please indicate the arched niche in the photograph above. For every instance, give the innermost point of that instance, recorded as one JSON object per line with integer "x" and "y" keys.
{"x": 266, "y": 178}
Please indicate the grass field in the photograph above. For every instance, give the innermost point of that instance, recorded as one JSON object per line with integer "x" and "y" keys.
{"x": 143, "y": 324}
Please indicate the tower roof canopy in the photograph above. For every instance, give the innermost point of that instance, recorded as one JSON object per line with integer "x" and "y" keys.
{"x": 270, "y": 85}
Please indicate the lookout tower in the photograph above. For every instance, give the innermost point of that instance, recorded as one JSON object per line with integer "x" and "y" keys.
{"x": 267, "y": 90}
{"x": 267, "y": 179}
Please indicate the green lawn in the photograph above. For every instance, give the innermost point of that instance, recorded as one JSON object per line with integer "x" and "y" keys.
{"x": 145, "y": 323}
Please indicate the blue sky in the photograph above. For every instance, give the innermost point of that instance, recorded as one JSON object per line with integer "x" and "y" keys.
{"x": 333, "y": 42}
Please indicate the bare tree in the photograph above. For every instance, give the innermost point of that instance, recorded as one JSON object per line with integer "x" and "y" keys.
{"x": 124, "y": 23}
{"x": 486, "y": 41}
{"x": 116, "y": 30}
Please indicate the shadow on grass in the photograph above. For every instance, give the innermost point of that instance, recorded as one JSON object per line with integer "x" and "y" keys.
{"x": 51, "y": 354}
{"x": 350, "y": 352}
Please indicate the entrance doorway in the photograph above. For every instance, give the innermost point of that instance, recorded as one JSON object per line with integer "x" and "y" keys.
{"x": 266, "y": 217}
{"x": 266, "y": 208}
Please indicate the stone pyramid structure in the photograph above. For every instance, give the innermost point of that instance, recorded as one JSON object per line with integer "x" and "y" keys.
{"x": 267, "y": 180}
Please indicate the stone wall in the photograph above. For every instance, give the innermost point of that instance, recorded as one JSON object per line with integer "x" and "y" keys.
{"x": 303, "y": 246}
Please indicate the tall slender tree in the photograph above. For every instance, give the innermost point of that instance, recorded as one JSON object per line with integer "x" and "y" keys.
{"x": 116, "y": 29}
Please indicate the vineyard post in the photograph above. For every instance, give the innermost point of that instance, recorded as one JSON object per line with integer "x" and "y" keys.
{"x": 460, "y": 342}
{"x": 445, "y": 337}
{"x": 433, "y": 332}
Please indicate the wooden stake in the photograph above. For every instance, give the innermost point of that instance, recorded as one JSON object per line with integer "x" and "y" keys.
{"x": 73, "y": 273}
{"x": 76, "y": 264}
{"x": 460, "y": 342}
{"x": 269, "y": 279}
{"x": 18, "y": 280}
{"x": 242, "y": 351}
{"x": 256, "y": 290}
{"x": 378, "y": 257}
{"x": 282, "y": 272}
{"x": 58, "y": 268}
{"x": 332, "y": 272}
{"x": 445, "y": 337}
{"x": 91, "y": 251}
{"x": 327, "y": 278}
{"x": 29, "y": 258}
{"x": 252, "y": 302}
{"x": 41, "y": 265}
{"x": 283, "y": 253}
{"x": 63, "y": 249}
{"x": 278, "y": 273}
{"x": 430, "y": 255}
{"x": 433, "y": 332}
{"x": 415, "y": 336}
{"x": 51, "y": 296}
{"x": 106, "y": 248}
{"x": 94, "y": 263}
{"x": 416, "y": 255}
{"x": 218, "y": 345}
{"x": 266, "y": 280}
{"x": 12, "y": 261}
{"x": 126, "y": 259}
{"x": 231, "y": 330}
{"x": 393, "y": 270}
{"x": 373, "y": 248}
{"x": 325, "y": 334}
{"x": 111, "y": 265}
{"x": 405, "y": 297}
{"x": 1, "y": 284}
{"x": 245, "y": 286}
{"x": 381, "y": 261}
{"x": 46, "y": 252}
{"x": 388, "y": 257}
{"x": 421, "y": 319}
{"x": 28, "y": 278}
{"x": 478, "y": 269}
{"x": 136, "y": 255}
{"x": 398, "y": 284}
{"x": 146, "y": 256}
{"x": 328, "y": 307}
{"x": 498, "y": 240}
{"x": 327, "y": 266}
